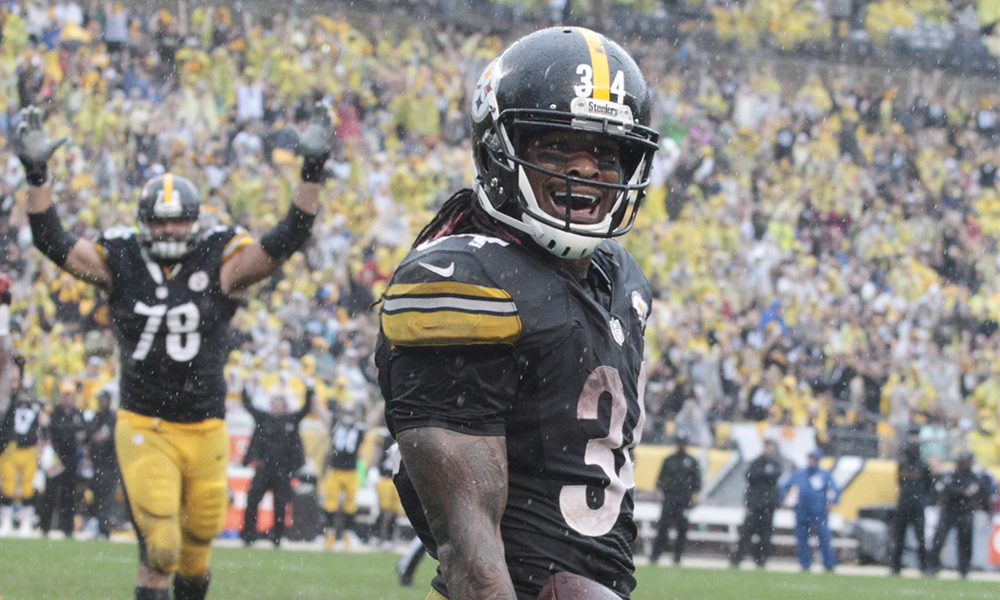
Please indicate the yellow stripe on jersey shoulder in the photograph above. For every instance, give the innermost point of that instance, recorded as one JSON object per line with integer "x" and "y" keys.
{"x": 239, "y": 241}
{"x": 102, "y": 251}
{"x": 449, "y": 313}
{"x": 450, "y": 328}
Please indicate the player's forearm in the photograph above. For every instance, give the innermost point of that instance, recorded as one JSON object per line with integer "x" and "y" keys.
{"x": 247, "y": 404}
{"x": 462, "y": 484}
{"x": 307, "y": 197}
{"x": 307, "y": 406}
{"x": 39, "y": 198}
{"x": 476, "y": 572}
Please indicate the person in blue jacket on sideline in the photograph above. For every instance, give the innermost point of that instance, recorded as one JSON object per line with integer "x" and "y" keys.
{"x": 817, "y": 494}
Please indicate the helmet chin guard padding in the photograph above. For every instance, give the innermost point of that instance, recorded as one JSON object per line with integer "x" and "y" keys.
{"x": 561, "y": 78}
{"x": 170, "y": 197}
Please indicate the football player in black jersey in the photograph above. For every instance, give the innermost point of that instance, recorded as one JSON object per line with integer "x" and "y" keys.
{"x": 170, "y": 290}
{"x": 19, "y": 437}
{"x": 341, "y": 474}
{"x": 511, "y": 345}
{"x": 389, "y": 507}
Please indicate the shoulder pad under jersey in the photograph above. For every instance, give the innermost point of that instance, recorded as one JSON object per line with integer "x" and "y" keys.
{"x": 441, "y": 295}
{"x": 229, "y": 238}
{"x": 120, "y": 232}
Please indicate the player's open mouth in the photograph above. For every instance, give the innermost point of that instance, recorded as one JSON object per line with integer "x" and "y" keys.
{"x": 584, "y": 207}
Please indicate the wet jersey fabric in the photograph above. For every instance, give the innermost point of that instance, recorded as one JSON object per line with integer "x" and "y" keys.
{"x": 485, "y": 337}
{"x": 171, "y": 325}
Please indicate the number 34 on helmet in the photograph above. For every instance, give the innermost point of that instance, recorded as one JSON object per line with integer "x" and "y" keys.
{"x": 167, "y": 215}
{"x": 570, "y": 79}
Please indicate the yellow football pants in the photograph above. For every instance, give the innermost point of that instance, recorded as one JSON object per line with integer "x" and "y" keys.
{"x": 17, "y": 472}
{"x": 339, "y": 481}
{"x": 175, "y": 479}
{"x": 388, "y": 497}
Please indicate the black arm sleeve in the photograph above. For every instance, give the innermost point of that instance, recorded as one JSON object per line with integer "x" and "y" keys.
{"x": 663, "y": 479}
{"x": 6, "y": 423}
{"x": 288, "y": 235}
{"x": 468, "y": 391}
{"x": 48, "y": 235}
{"x": 248, "y": 404}
{"x": 306, "y": 406}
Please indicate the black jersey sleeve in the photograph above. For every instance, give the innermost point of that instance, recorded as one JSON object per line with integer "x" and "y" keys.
{"x": 468, "y": 390}
{"x": 451, "y": 328}
{"x": 6, "y": 424}
{"x": 446, "y": 298}
{"x": 114, "y": 246}
{"x": 229, "y": 239}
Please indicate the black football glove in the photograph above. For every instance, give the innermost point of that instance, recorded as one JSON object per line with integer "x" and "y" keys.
{"x": 32, "y": 146}
{"x": 316, "y": 143}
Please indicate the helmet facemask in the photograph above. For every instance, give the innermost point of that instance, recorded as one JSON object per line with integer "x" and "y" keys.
{"x": 174, "y": 200}
{"x": 507, "y": 194}
{"x": 166, "y": 246}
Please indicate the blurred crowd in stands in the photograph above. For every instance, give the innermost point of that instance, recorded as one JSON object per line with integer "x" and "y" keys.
{"x": 822, "y": 241}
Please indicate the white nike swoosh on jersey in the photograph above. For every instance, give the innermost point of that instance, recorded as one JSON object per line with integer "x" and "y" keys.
{"x": 442, "y": 271}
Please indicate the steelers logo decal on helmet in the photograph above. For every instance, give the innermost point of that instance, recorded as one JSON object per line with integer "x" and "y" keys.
{"x": 484, "y": 99}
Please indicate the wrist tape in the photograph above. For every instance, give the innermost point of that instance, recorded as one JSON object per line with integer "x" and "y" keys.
{"x": 36, "y": 175}
{"x": 313, "y": 170}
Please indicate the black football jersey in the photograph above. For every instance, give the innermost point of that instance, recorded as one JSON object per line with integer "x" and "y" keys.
{"x": 489, "y": 338}
{"x": 20, "y": 423}
{"x": 172, "y": 326}
{"x": 345, "y": 442}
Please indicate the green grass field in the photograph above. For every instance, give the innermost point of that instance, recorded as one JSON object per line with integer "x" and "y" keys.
{"x": 75, "y": 570}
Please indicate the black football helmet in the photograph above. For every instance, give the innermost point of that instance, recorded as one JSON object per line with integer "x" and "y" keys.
{"x": 567, "y": 78}
{"x": 171, "y": 197}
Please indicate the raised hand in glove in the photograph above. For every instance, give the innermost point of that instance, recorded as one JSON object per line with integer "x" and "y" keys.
{"x": 316, "y": 143}
{"x": 32, "y": 146}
